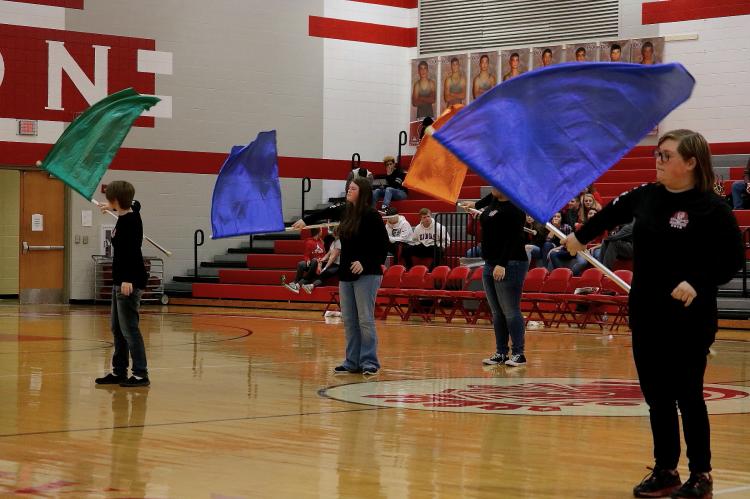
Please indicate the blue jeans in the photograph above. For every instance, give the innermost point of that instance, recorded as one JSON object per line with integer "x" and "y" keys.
{"x": 504, "y": 298}
{"x": 739, "y": 194}
{"x": 475, "y": 252}
{"x": 358, "y": 312}
{"x": 388, "y": 194}
{"x": 127, "y": 335}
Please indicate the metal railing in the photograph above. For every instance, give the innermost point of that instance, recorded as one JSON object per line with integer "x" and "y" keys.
{"x": 306, "y": 186}
{"x": 197, "y": 233}
{"x": 402, "y": 140}
{"x": 454, "y": 225}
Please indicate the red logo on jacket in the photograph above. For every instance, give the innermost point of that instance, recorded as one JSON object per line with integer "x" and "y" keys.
{"x": 679, "y": 220}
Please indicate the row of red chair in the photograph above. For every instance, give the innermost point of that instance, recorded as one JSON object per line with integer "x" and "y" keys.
{"x": 547, "y": 296}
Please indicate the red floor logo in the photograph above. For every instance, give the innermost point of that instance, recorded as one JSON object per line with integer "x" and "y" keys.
{"x": 533, "y": 396}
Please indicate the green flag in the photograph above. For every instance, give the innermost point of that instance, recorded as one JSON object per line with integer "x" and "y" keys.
{"x": 86, "y": 148}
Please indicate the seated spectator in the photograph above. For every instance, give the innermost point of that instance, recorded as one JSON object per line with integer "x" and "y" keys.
{"x": 428, "y": 240}
{"x": 570, "y": 214}
{"x": 327, "y": 267}
{"x": 741, "y": 190}
{"x": 587, "y": 204}
{"x": 314, "y": 251}
{"x": 358, "y": 172}
{"x": 399, "y": 232}
{"x": 587, "y": 215}
{"x": 553, "y": 252}
{"x": 535, "y": 242}
{"x": 474, "y": 228}
{"x": 618, "y": 245}
{"x": 393, "y": 189}
{"x": 598, "y": 197}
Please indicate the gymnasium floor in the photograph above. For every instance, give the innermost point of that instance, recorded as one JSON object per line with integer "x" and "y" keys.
{"x": 243, "y": 405}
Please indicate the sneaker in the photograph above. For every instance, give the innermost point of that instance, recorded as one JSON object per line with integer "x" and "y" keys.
{"x": 370, "y": 371}
{"x": 698, "y": 485}
{"x": 292, "y": 286}
{"x": 308, "y": 288}
{"x": 658, "y": 483}
{"x": 516, "y": 360}
{"x": 110, "y": 379}
{"x": 135, "y": 381}
{"x": 343, "y": 370}
{"x": 497, "y": 358}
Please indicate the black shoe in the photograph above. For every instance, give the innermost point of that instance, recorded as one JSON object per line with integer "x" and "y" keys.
{"x": 135, "y": 381}
{"x": 370, "y": 371}
{"x": 110, "y": 379}
{"x": 344, "y": 370}
{"x": 699, "y": 485}
{"x": 658, "y": 483}
{"x": 516, "y": 360}
{"x": 497, "y": 358}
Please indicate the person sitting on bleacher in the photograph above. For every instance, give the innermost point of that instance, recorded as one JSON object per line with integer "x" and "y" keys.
{"x": 399, "y": 232}
{"x": 314, "y": 251}
{"x": 327, "y": 267}
{"x": 394, "y": 188}
{"x": 571, "y": 212}
{"x": 428, "y": 240}
{"x": 553, "y": 247}
{"x": 358, "y": 172}
{"x": 535, "y": 242}
{"x": 741, "y": 190}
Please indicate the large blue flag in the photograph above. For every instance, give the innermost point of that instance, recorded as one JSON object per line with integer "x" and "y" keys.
{"x": 247, "y": 195}
{"x": 542, "y": 137}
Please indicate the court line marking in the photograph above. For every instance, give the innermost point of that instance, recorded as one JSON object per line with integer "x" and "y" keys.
{"x": 200, "y": 421}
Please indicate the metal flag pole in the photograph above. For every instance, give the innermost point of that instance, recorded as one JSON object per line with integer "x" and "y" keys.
{"x": 156, "y": 245}
{"x": 593, "y": 261}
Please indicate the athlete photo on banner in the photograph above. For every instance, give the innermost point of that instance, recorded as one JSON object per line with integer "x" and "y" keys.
{"x": 483, "y": 72}
{"x": 546, "y": 56}
{"x": 453, "y": 74}
{"x": 582, "y": 52}
{"x": 514, "y": 62}
{"x": 647, "y": 50}
{"x": 424, "y": 89}
{"x": 615, "y": 51}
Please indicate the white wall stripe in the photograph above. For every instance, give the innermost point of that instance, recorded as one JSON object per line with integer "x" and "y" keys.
{"x": 36, "y": 16}
{"x": 153, "y": 61}
{"x": 47, "y": 131}
{"x": 370, "y": 13}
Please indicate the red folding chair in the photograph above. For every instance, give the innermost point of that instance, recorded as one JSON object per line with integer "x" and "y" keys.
{"x": 457, "y": 297}
{"x": 433, "y": 282}
{"x": 413, "y": 279}
{"x": 546, "y": 300}
{"x": 615, "y": 305}
{"x": 571, "y": 302}
{"x": 444, "y": 303}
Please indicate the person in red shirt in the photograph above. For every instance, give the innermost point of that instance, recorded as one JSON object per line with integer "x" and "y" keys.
{"x": 314, "y": 251}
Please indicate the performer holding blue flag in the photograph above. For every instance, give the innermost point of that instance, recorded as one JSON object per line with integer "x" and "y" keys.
{"x": 685, "y": 244}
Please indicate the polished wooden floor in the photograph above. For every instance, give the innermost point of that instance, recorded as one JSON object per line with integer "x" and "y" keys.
{"x": 238, "y": 409}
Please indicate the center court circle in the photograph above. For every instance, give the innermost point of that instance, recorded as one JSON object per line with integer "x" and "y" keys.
{"x": 526, "y": 396}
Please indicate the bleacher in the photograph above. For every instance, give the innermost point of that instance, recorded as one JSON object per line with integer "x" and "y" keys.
{"x": 261, "y": 277}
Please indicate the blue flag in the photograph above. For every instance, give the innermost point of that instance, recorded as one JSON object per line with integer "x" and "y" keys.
{"x": 544, "y": 136}
{"x": 247, "y": 194}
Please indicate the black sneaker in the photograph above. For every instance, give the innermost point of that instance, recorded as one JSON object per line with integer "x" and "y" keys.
{"x": 658, "y": 483}
{"x": 699, "y": 485}
{"x": 110, "y": 379}
{"x": 370, "y": 371}
{"x": 343, "y": 370}
{"x": 497, "y": 358}
{"x": 135, "y": 381}
{"x": 516, "y": 360}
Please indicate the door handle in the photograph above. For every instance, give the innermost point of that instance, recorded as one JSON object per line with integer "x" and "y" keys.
{"x": 26, "y": 248}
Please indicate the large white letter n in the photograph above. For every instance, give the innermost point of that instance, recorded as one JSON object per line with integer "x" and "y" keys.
{"x": 60, "y": 60}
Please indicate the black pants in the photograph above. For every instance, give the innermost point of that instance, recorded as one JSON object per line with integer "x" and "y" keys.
{"x": 671, "y": 376}
{"x": 127, "y": 334}
{"x": 421, "y": 251}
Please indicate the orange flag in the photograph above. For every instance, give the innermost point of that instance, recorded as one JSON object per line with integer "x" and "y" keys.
{"x": 435, "y": 171}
